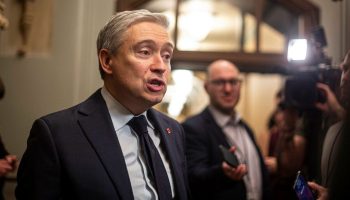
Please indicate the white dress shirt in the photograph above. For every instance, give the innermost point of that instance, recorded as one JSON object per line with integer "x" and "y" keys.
{"x": 246, "y": 152}
{"x": 129, "y": 143}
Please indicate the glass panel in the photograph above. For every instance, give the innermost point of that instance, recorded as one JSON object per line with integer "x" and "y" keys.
{"x": 166, "y": 7}
{"x": 277, "y": 27}
{"x": 227, "y": 25}
{"x": 271, "y": 41}
{"x": 249, "y": 44}
{"x": 206, "y": 25}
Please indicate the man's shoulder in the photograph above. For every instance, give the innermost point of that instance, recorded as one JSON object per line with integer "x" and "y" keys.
{"x": 198, "y": 119}
{"x": 336, "y": 127}
{"x": 61, "y": 114}
{"x": 194, "y": 118}
{"x": 69, "y": 112}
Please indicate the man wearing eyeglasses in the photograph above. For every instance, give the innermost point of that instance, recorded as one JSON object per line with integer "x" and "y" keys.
{"x": 219, "y": 124}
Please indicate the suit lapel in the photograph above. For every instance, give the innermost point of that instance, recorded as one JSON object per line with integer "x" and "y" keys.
{"x": 214, "y": 128}
{"x": 98, "y": 128}
{"x": 219, "y": 134}
{"x": 169, "y": 144}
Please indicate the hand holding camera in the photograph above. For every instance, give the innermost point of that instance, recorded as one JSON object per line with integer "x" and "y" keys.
{"x": 331, "y": 105}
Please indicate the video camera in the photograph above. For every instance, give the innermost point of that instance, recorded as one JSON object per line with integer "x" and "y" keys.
{"x": 300, "y": 89}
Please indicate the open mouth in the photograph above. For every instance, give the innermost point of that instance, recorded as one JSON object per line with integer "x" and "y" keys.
{"x": 156, "y": 82}
{"x": 156, "y": 85}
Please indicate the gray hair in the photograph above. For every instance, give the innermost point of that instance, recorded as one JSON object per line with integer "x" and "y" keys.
{"x": 112, "y": 35}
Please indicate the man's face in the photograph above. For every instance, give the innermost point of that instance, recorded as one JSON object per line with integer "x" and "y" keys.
{"x": 141, "y": 66}
{"x": 345, "y": 79}
{"x": 223, "y": 86}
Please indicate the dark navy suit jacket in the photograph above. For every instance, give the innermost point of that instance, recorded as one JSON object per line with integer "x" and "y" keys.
{"x": 75, "y": 154}
{"x": 204, "y": 159}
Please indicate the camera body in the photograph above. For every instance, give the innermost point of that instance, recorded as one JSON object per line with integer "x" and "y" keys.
{"x": 301, "y": 88}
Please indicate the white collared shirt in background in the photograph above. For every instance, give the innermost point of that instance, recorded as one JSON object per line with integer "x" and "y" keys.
{"x": 246, "y": 152}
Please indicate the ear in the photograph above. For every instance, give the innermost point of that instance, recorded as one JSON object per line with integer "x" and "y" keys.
{"x": 206, "y": 85}
{"x": 105, "y": 60}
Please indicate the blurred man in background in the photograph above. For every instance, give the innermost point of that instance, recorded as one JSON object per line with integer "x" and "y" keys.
{"x": 333, "y": 140}
{"x": 220, "y": 124}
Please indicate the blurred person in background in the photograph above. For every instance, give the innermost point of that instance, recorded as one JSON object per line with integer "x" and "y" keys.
{"x": 334, "y": 138}
{"x": 286, "y": 152}
{"x": 8, "y": 163}
{"x": 210, "y": 176}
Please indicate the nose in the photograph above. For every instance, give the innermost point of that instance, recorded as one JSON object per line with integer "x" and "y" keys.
{"x": 158, "y": 65}
{"x": 228, "y": 86}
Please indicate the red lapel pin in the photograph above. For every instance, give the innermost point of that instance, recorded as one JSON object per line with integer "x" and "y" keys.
{"x": 168, "y": 130}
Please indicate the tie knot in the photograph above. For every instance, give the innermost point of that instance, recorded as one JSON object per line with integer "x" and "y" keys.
{"x": 138, "y": 124}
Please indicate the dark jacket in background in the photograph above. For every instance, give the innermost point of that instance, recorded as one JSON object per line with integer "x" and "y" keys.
{"x": 206, "y": 177}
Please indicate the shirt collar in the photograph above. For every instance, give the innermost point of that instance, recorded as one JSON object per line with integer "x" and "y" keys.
{"x": 119, "y": 114}
{"x": 223, "y": 119}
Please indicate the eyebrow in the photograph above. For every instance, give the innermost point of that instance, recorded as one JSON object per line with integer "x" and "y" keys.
{"x": 151, "y": 42}
{"x": 170, "y": 44}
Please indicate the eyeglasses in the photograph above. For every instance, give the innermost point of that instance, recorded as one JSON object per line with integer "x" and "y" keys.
{"x": 222, "y": 82}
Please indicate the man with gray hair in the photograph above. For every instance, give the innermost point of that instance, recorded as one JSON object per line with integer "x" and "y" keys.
{"x": 113, "y": 145}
